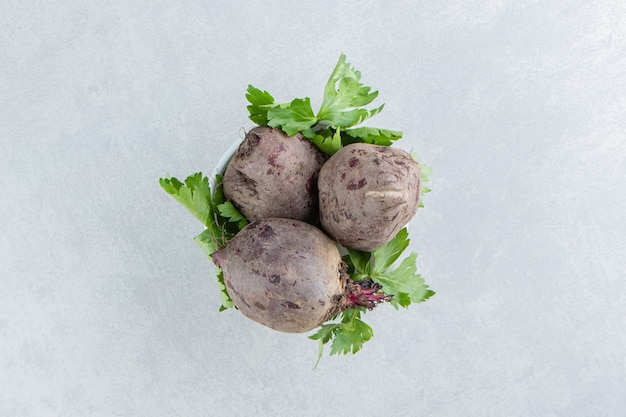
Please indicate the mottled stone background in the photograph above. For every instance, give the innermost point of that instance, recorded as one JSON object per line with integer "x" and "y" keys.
{"x": 108, "y": 308}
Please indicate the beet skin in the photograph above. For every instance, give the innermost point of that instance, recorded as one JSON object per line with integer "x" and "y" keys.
{"x": 274, "y": 175}
{"x": 368, "y": 193}
{"x": 285, "y": 274}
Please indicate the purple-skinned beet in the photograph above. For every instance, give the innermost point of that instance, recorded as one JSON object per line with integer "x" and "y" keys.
{"x": 368, "y": 193}
{"x": 288, "y": 275}
{"x": 274, "y": 175}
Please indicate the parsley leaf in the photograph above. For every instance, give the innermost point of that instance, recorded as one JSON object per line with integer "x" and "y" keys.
{"x": 259, "y": 104}
{"x": 372, "y": 135}
{"x": 327, "y": 141}
{"x": 403, "y": 282}
{"x": 293, "y": 117}
{"x": 348, "y": 336}
{"x": 386, "y": 255}
{"x": 194, "y": 195}
{"x": 348, "y": 118}
{"x": 351, "y": 334}
{"x": 226, "y": 301}
{"x": 343, "y": 94}
{"x": 332, "y": 127}
{"x": 325, "y": 333}
{"x": 361, "y": 262}
{"x": 208, "y": 241}
{"x": 425, "y": 170}
{"x": 228, "y": 210}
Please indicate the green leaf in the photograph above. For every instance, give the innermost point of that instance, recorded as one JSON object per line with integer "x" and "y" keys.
{"x": 343, "y": 88}
{"x": 293, "y": 117}
{"x": 401, "y": 300}
{"x": 228, "y": 210}
{"x": 386, "y": 255}
{"x": 207, "y": 241}
{"x": 325, "y": 332}
{"x": 194, "y": 195}
{"x": 345, "y": 337}
{"x": 351, "y": 334}
{"x": 403, "y": 282}
{"x": 343, "y": 94}
{"x": 349, "y": 118}
{"x": 218, "y": 193}
{"x": 324, "y": 335}
{"x": 425, "y": 171}
{"x": 401, "y": 279}
{"x": 227, "y": 302}
{"x": 221, "y": 219}
{"x": 260, "y": 102}
{"x": 342, "y": 108}
{"x": 327, "y": 141}
{"x": 373, "y": 135}
{"x": 404, "y": 279}
{"x": 361, "y": 261}
{"x": 427, "y": 295}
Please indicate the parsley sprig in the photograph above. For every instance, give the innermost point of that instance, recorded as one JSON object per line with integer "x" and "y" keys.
{"x": 347, "y": 336}
{"x": 220, "y": 217}
{"x": 401, "y": 283}
{"x": 343, "y": 107}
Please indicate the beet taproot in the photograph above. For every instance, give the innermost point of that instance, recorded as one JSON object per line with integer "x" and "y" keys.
{"x": 368, "y": 193}
{"x": 288, "y": 275}
{"x": 274, "y": 175}
{"x": 284, "y": 273}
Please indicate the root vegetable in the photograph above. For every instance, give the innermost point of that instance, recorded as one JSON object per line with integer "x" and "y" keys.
{"x": 288, "y": 275}
{"x": 368, "y": 193}
{"x": 274, "y": 175}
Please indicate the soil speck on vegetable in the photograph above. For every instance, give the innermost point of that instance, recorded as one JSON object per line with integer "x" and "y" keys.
{"x": 267, "y": 232}
{"x": 275, "y": 279}
{"x": 356, "y": 185}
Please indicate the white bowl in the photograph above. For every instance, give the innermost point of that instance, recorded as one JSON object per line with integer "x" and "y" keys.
{"x": 222, "y": 163}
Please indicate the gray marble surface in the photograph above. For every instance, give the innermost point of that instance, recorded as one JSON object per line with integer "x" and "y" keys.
{"x": 108, "y": 308}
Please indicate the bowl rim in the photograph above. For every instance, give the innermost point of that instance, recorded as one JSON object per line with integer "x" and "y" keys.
{"x": 222, "y": 163}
